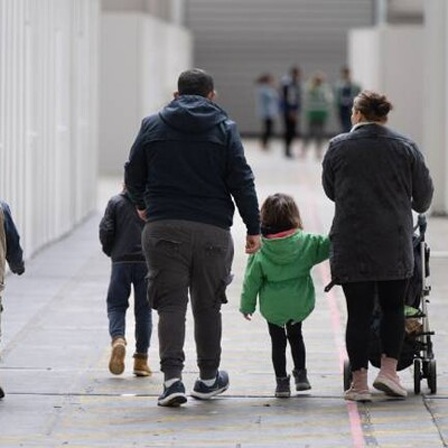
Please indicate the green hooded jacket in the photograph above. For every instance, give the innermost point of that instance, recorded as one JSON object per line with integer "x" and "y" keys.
{"x": 279, "y": 274}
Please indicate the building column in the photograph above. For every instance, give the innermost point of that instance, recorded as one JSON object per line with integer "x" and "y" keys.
{"x": 169, "y": 10}
{"x": 435, "y": 105}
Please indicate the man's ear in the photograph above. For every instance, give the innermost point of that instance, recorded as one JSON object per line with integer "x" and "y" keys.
{"x": 176, "y": 95}
{"x": 212, "y": 95}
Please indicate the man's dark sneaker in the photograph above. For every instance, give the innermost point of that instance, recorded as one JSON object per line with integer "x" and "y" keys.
{"x": 203, "y": 392}
{"x": 2, "y": 394}
{"x": 173, "y": 396}
{"x": 301, "y": 380}
{"x": 283, "y": 390}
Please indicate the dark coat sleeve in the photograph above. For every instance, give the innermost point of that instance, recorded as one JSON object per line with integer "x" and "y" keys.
{"x": 328, "y": 175}
{"x": 14, "y": 252}
{"x": 136, "y": 169}
{"x": 422, "y": 186}
{"x": 107, "y": 228}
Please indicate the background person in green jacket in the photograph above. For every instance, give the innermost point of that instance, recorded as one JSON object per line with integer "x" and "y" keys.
{"x": 318, "y": 102}
{"x": 279, "y": 274}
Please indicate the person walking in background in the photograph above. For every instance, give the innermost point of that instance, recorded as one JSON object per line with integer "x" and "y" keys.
{"x": 185, "y": 172}
{"x": 291, "y": 107}
{"x": 267, "y": 102}
{"x": 10, "y": 252}
{"x": 376, "y": 177}
{"x": 279, "y": 274}
{"x": 345, "y": 92}
{"x": 120, "y": 233}
{"x": 318, "y": 103}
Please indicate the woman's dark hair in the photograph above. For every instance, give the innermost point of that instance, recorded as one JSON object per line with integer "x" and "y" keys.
{"x": 374, "y": 106}
{"x": 279, "y": 212}
{"x": 195, "y": 82}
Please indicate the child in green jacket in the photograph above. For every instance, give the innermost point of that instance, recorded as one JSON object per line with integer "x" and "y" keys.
{"x": 279, "y": 274}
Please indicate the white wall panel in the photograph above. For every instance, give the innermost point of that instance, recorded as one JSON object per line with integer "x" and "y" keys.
{"x": 48, "y": 123}
{"x": 373, "y": 56}
{"x": 435, "y": 106}
{"x": 166, "y": 51}
{"x": 403, "y": 78}
{"x": 141, "y": 58}
{"x": 119, "y": 89}
{"x": 179, "y": 56}
{"x": 152, "y": 65}
{"x": 363, "y": 57}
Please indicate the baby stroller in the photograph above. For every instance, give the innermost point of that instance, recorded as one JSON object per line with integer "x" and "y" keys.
{"x": 417, "y": 346}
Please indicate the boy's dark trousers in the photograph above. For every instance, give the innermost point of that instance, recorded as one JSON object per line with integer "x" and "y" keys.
{"x": 123, "y": 276}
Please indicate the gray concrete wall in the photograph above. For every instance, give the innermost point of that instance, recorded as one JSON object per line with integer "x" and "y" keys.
{"x": 237, "y": 40}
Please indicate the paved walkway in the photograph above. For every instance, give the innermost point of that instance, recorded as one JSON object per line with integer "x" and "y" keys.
{"x": 55, "y": 352}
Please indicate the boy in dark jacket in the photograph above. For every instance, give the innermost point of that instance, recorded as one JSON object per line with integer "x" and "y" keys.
{"x": 120, "y": 235}
{"x": 10, "y": 251}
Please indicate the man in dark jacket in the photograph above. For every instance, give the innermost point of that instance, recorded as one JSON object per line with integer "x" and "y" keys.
{"x": 185, "y": 171}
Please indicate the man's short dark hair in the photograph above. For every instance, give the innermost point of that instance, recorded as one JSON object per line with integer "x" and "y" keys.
{"x": 195, "y": 82}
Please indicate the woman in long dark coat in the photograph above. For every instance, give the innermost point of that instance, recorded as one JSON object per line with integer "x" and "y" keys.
{"x": 376, "y": 177}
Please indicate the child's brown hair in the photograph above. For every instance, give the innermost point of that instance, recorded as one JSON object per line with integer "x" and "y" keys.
{"x": 279, "y": 212}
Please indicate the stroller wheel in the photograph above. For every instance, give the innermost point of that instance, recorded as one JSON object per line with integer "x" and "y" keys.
{"x": 432, "y": 376}
{"x": 347, "y": 375}
{"x": 417, "y": 375}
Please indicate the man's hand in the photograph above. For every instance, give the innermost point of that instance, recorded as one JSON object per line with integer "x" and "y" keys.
{"x": 253, "y": 243}
{"x": 141, "y": 214}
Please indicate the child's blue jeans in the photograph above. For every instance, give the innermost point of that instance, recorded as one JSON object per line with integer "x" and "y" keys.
{"x": 123, "y": 276}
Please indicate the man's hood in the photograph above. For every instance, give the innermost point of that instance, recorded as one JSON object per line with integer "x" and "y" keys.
{"x": 192, "y": 113}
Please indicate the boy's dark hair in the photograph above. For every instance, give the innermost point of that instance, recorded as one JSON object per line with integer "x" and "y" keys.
{"x": 195, "y": 82}
{"x": 279, "y": 212}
